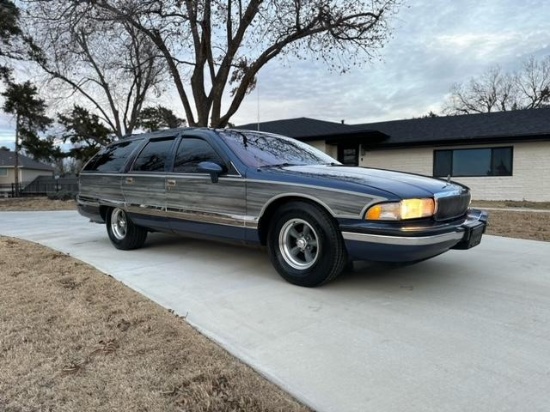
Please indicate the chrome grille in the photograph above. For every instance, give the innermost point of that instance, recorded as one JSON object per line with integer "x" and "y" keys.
{"x": 450, "y": 207}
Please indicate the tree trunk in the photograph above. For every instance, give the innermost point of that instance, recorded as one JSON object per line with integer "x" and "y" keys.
{"x": 16, "y": 164}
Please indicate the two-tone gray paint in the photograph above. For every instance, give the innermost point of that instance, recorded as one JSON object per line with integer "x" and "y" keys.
{"x": 233, "y": 201}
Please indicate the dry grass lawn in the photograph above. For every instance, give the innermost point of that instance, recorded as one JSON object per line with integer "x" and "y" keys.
{"x": 74, "y": 339}
{"x": 522, "y": 224}
{"x": 35, "y": 203}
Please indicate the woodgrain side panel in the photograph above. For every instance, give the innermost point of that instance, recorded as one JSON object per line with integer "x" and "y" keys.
{"x": 340, "y": 204}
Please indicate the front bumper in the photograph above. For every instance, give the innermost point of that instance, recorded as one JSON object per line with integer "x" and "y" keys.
{"x": 412, "y": 243}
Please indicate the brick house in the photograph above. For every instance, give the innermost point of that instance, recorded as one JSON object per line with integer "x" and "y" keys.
{"x": 500, "y": 156}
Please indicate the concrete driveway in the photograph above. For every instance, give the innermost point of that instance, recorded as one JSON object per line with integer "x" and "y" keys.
{"x": 466, "y": 331}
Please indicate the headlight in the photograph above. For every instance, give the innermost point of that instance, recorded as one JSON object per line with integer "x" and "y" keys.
{"x": 406, "y": 209}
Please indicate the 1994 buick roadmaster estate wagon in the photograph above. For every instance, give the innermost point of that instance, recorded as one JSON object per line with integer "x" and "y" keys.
{"x": 313, "y": 214}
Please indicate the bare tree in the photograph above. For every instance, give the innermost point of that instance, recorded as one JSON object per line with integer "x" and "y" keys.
{"x": 533, "y": 83}
{"x": 495, "y": 90}
{"x": 214, "y": 49}
{"x": 110, "y": 65}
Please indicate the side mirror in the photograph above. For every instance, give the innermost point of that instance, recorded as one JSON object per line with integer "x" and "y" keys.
{"x": 213, "y": 169}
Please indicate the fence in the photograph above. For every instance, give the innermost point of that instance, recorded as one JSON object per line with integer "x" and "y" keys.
{"x": 41, "y": 186}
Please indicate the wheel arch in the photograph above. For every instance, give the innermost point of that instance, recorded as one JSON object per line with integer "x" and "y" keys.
{"x": 103, "y": 210}
{"x": 271, "y": 207}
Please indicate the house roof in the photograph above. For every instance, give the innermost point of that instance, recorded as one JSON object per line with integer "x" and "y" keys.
{"x": 7, "y": 159}
{"x": 302, "y": 127}
{"x": 531, "y": 124}
{"x": 306, "y": 129}
{"x": 471, "y": 128}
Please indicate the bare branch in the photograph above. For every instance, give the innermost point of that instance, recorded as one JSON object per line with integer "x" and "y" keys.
{"x": 528, "y": 88}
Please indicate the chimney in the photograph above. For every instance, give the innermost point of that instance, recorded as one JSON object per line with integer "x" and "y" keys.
{"x": 342, "y": 121}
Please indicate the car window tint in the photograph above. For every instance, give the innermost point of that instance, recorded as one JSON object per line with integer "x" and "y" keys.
{"x": 191, "y": 152}
{"x": 153, "y": 156}
{"x": 112, "y": 158}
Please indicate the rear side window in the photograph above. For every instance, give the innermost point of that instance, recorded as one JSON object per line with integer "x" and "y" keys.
{"x": 154, "y": 155}
{"x": 191, "y": 152}
{"x": 113, "y": 158}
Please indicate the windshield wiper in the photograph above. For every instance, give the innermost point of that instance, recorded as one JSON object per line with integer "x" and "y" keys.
{"x": 281, "y": 165}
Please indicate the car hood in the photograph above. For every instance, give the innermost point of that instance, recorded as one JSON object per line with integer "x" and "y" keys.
{"x": 365, "y": 179}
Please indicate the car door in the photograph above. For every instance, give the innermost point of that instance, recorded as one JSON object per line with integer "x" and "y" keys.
{"x": 198, "y": 205}
{"x": 144, "y": 185}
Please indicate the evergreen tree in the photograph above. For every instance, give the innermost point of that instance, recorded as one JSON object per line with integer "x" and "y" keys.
{"x": 85, "y": 131}
{"x": 9, "y": 31}
{"x": 22, "y": 101}
{"x": 159, "y": 117}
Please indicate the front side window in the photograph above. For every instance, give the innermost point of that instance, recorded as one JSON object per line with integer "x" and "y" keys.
{"x": 191, "y": 152}
{"x": 495, "y": 161}
{"x": 256, "y": 149}
{"x": 3, "y": 172}
{"x": 112, "y": 158}
{"x": 154, "y": 155}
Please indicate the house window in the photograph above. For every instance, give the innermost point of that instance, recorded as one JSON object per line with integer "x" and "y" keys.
{"x": 496, "y": 161}
{"x": 3, "y": 172}
{"x": 348, "y": 155}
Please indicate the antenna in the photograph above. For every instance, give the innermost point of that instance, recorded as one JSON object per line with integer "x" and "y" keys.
{"x": 258, "y": 101}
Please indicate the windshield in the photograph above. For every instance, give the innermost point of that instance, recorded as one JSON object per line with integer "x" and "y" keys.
{"x": 257, "y": 149}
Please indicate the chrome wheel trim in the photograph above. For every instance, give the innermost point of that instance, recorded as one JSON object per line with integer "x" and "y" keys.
{"x": 119, "y": 224}
{"x": 299, "y": 244}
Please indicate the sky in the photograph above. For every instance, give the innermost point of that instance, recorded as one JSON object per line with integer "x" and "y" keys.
{"x": 433, "y": 45}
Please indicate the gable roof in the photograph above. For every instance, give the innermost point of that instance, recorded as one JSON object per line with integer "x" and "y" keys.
{"x": 470, "y": 128}
{"x": 7, "y": 159}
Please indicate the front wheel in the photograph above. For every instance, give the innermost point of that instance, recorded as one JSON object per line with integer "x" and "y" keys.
{"x": 305, "y": 246}
{"x": 123, "y": 233}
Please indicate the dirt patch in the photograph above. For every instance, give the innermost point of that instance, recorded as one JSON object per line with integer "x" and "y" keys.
{"x": 504, "y": 204}
{"x": 520, "y": 225}
{"x": 35, "y": 203}
{"x": 518, "y": 219}
{"x": 72, "y": 338}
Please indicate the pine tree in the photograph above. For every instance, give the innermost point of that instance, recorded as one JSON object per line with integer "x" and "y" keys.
{"x": 22, "y": 101}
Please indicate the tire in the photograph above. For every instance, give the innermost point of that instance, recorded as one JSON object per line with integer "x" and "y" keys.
{"x": 305, "y": 245}
{"x": 123, "y": 233}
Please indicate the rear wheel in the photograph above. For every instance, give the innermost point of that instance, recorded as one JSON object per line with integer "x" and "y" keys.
{"x": 123, "y": 233}
{"x": 304, "y": 245}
